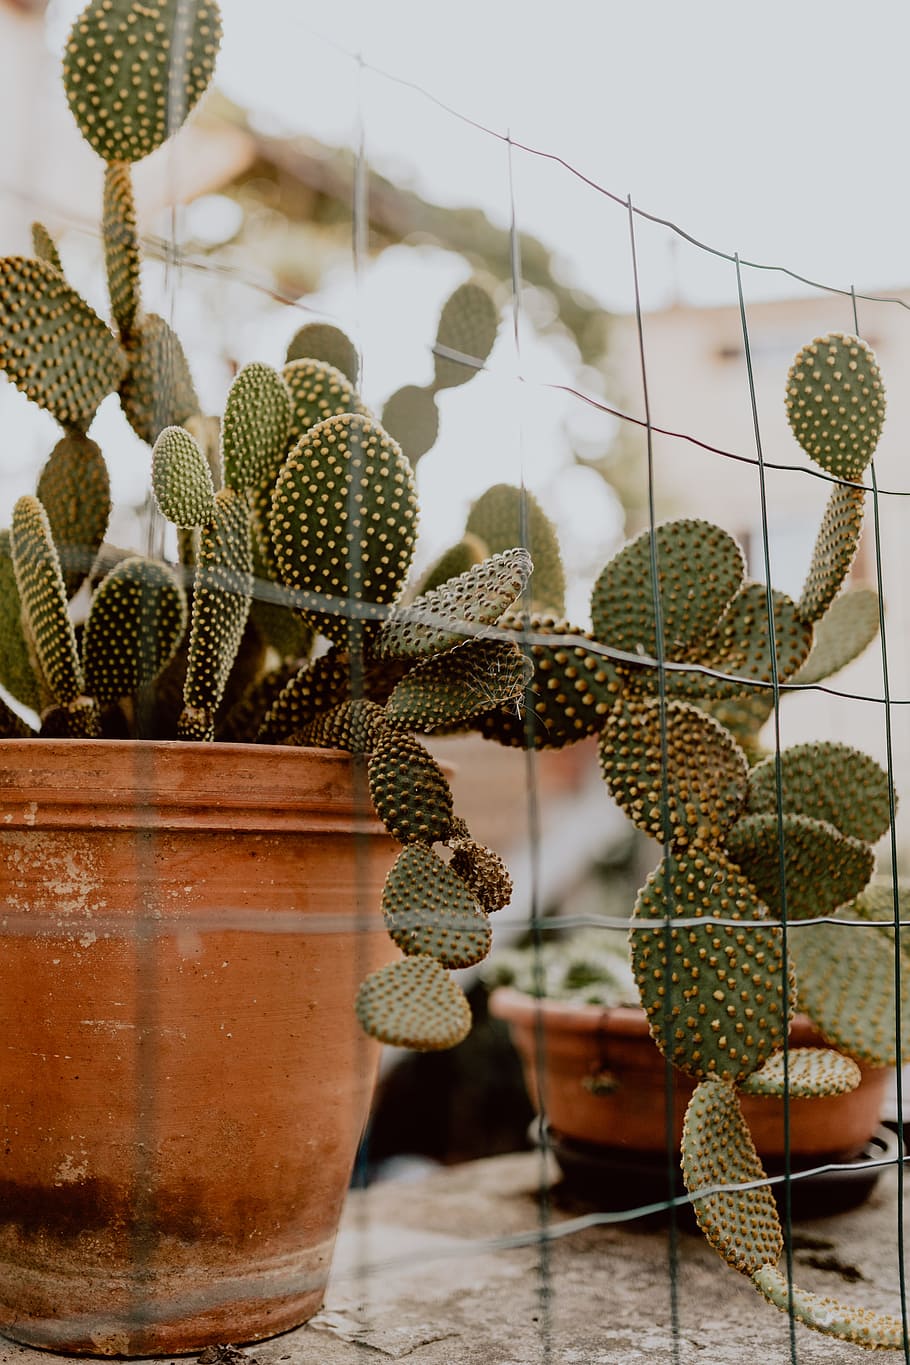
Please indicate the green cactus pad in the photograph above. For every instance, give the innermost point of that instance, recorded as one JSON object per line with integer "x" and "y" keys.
{"x": 409, "y": 790}
{"x": 77, "y": 719}
{"x": 281, "y": 628}
{"x": 45, "y": 247}
{"x": 700, "y": 569}
{"x": 182, "y": 480}
{"x": 861, "y": 1326}
{"x": 448, "y": 688}
{"x": 828, "y": 781}
{"x": 836, "y": 403}
{"x": 571, "y": 693}
{"x": 354, "y": 726}
{"x": 483, "y": 872}
{"x": 692, "y": 789}
{"x": 739, "y": 646}
{"x": 411, "y": 418}
{"x": 437, "y": 620}
{"x": 713, "y": 993}
{"x": 823, "y": 868}
{"x": 467, "y": 326}
{"x": 344, "y": 515}
{"x": 834, "y": 551}
{"x": 322, "y": 341}
{"x": 12, "y": 726}
{"x": 458, "y": 559}
{"x": 254, "y": 431}
{"x": 54, "y": 347}
{"x": 848, "y": 627}
{"x": 413, "y": 1003}
{"x": 43, "y": 597}
{"x": 157, "y": 391}
{"x": 506, "y": 515}
{"x": 717, "y": 1150}
{"x": 121, "y": 245}
{"x": 810, "y": 1071}
{"x": 136, "y": 623}
{"x": 318, "y": 391}
{"x": 846, "y": 980}
{"x": 76, "y": 493}
{"x": 429, "y": 910}
{"x": 133, "y": 72}
{"x": 221, "y": 603}
{"x": 16, "y": 672}
{"x": 312, "y": 689}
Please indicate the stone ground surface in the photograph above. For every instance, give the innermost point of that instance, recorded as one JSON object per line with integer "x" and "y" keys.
{"x": 415, "y": 1279}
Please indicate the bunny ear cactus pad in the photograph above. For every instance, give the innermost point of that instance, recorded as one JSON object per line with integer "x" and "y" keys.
{"x": 822, "y": 867}
{"x": 467, "y": 326}
{"x": 848, "y": 627}
{"x": 75, "y": 491}
{"x": 836, "y": 403}
{"x": 809, "y": 1071}
{"x": 257, "y": 417}
{"x": 16, "y": 672}
{"x": 740, "y": 647}
{"x": 182, "y": 479}
{"x": 45, "y": 247}
{"x": 713, "y": 993}
{"x": 429, "y": 910}
{"x": 322, "y": 341}
{"x": 157, "y": 391}
{"x": 132, "y": 73}
{"x": 411, "y": 417}
{"x": 121, "y": 245}
{"x": 834, "y": 552}
{"x": 354, "y": 726}
{"x": 717, "y": 1149}
{"x": 828, "y": 781}
{"x": 344, "y": 515}
{"x": 451, "y": 687}
{"x": 318, "y": 391}
{"x": 409, "y": 790}
{"x": 483, "y": 872}
{"x": 679, "y": 776}
{"x": 136, "y": 622}
{"x": 504, "y": 516}
{"x": 414, "y": 1003}
{"x": 861, "y": 1326}
{"x": 54, "y": 347}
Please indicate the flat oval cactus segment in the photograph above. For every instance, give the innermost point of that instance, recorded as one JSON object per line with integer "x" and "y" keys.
{"x": 822, "y": 867}
{"x": 740, "y": 647}
{"x": 437, "y": 620}
{"x": 16, "y": 672}
{"x": 828, "y": 781}
{"x": 714, "y": 993}
{"x": 322, "y": 341}
{"x": 75, "y": 490}
{"x": 136, "y": 623}
{"x": 848, "y": 627}
{"x": 121, "y": 245}
{"x": 846, "y": 980}
{"x": 254, "y": 431}
{"x": 834, "y": 551}
{"x": 810, "y": 1071}
{"x": 344, "y": 513}
{"x": 429, "y": 910}
{"x": 571, "y": 692}
{"x": 318, "y": 391}
{"x": 45, "y": 248}
{"x": 182, "y": 479}
{"x": 483, "y": 872}
{"x": 132, "y": 73}
{"x": 700, "y": 569}
{"x": 449, "y": 688}
{"x": 861, "y": 1326}
{"x": 54, "y": 347}
{"x": 157, "y": 391}
{"x": 717, "y": 1150}
{"x": 679, "y": 776}
{"x": 221, "y": 604}
{"x": 836, "y": 403}
{"x": 506, "y": 515}
{"x": 44, "y": 603}
{"x": 465, "y": 336}
{"x": 411, "y": 418}
{"x": 313, "y": 688}
{"x": 414, "y": 1003}
{"x": 353, "y": 725}
{"x": 409, "y": 790}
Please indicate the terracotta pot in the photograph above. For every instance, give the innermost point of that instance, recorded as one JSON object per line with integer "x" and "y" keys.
{"x": 182, "y": 1080}
{"x": 604, "y": 1081}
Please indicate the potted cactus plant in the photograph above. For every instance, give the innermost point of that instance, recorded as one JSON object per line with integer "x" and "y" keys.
{"x": 223, "y": 806}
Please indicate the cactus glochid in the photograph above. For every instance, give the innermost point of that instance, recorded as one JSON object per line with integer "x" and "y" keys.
{"x": 289, "y": 620}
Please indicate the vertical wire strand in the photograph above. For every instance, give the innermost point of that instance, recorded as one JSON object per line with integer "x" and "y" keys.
{"x": 896, "y": 909}
{"x": 670, "y": 1083}
{"x": 779, "y": 796}
{"x": 532, "y": 800}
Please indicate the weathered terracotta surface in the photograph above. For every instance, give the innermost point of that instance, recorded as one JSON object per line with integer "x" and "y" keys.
{"x": 182, "y": 1079}
{"x": 578, "y": 1042}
